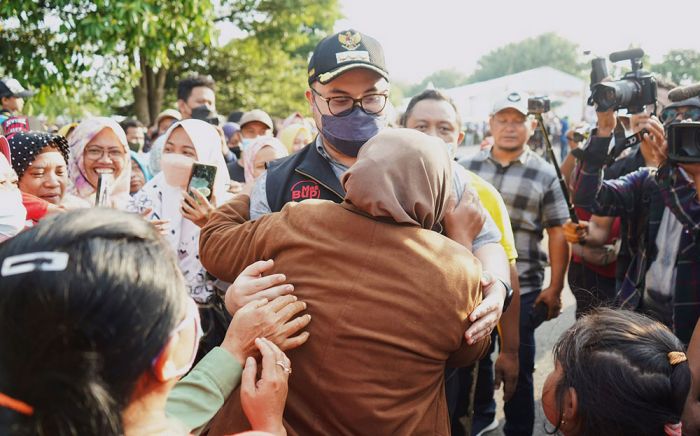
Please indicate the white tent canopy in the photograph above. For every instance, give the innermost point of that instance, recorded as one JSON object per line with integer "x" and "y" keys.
{"x": 476, "y": 100}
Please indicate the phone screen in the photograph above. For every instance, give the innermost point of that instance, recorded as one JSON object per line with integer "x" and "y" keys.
{"x": 202, "y": 179}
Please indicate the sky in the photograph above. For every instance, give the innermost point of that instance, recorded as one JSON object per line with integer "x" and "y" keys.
{"x": 423, "y": 36}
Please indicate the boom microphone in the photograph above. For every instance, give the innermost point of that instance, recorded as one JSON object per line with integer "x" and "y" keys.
{"x": 633, "y": 53}
{"x": 681, "y": 93}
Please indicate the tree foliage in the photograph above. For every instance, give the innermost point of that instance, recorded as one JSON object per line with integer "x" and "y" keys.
{"x": 681, "y": 66}
{"x": 548, "y": 49}
{"x": 267, "y": 68}
{"x": 56, "y": 42}
{"x": 134, "y": 50}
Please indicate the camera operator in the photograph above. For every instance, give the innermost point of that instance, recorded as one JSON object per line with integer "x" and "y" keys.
{"x": 601, "y": 246}
{"x": 661, "y": 208}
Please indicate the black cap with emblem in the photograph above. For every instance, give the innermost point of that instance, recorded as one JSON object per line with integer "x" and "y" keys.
{"x": 343, "y": 52}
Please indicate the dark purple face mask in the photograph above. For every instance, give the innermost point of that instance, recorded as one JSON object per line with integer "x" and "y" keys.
{"x": 349, "y": 133}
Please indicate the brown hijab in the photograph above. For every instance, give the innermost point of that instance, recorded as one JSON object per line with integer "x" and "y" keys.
{"x": 402, "y": 175}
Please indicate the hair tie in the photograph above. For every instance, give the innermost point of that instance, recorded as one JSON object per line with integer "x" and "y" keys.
{"x": 676, "y": 357}
{"x": 16, "y": 405}
{"x": 673, "y": 429}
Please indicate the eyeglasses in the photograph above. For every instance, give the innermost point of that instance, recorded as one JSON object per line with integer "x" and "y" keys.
{"x": 97, "y": 153}
{"x": 670, "y": 114}
{"x": 191, "y": 317}
{"x": 340, "y": 106}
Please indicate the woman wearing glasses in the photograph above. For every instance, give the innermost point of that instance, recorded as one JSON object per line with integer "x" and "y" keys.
{"x": 99, "y": 148}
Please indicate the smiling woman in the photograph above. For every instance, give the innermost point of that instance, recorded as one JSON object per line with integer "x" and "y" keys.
{"x": 98, "y": 146}
{"x": 41, "y": 163}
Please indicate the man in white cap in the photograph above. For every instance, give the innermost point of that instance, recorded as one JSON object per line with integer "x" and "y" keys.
{"x": 12, "y": 96}
{"x": 535, "y": 202}
{"x": 253, "y": 124}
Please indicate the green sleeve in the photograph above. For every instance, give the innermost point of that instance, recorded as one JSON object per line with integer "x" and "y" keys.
{"x": 198, "y": 396}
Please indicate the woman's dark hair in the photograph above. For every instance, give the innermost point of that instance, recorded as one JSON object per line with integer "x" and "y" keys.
{"x": 618, "y": 363}
{"x": 74, "y": 342}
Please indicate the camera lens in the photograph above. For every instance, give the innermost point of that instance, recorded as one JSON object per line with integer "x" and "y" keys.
{"x": 615, "y": 95}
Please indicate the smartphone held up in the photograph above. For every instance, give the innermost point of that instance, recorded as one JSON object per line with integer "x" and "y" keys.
{"x": 202, "y": 179}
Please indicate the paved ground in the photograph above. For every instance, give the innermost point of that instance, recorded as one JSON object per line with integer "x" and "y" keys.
{"x": 546, "y": 336}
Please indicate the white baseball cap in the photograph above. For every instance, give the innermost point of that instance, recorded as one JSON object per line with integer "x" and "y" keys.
{"x": 514, "y": 100}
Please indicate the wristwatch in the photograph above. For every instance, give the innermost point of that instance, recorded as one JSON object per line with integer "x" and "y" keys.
{"x": 509, "y": 294}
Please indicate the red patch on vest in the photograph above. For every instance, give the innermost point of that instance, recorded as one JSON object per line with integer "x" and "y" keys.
{"x": 305, "y": 189}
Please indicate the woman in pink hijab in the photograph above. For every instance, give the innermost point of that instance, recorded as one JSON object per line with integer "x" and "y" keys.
{"x": 98, "y": 146}
{"x": 263, "y": 150}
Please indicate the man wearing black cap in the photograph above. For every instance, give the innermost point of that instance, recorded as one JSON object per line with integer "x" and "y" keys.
{"x": 12, "y": 96}
{"x": 348, "y": 92}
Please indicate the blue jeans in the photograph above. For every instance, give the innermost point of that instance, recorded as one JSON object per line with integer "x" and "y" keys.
{"x": 520, "y": 409}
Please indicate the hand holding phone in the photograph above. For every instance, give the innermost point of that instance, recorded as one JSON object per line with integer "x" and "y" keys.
{"x": 202, "y": 179}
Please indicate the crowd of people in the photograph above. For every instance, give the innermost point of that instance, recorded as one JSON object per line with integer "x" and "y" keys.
{"x": 344, "y": 273}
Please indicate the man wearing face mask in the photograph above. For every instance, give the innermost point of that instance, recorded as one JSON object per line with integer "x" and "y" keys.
{"x": 348, "y": 93}
{"x": 195, "y": 92}
{"x": 253, "y": 124}
{"x": 135, "y": 134}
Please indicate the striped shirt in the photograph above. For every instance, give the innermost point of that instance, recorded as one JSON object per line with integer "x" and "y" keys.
{"x": 531, "y": 192}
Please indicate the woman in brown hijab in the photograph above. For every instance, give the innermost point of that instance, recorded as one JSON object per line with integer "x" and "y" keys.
{"x": 389, "y": 298}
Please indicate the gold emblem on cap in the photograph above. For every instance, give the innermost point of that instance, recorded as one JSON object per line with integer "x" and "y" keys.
{"x": 312, "y": 72}
{"x": 349, "y": 40}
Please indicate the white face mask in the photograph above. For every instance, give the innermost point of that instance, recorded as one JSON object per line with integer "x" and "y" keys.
{"x": 13, "y": 215}
{"x": 176, "y": 169}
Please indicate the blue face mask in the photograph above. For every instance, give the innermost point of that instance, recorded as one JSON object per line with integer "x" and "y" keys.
{"x": 246, "y": 142}
{"x": 349, "y": 133}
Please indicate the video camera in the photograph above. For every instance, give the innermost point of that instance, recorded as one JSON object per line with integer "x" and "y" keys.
{"x": 538, "y": 105}
{"x": 633, "y": 92}
{"x": 683, "y": 142}
{"x": 683, "y": 137}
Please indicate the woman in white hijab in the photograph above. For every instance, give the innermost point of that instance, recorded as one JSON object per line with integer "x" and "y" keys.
{"x": 186, "y": 142}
